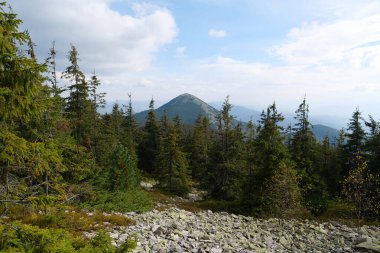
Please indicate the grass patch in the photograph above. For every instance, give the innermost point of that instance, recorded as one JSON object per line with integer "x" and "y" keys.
{"x": 18, "y": 237}
{"x": 120, "y": 201}
{"x": 344, "y": 213}
{"x": 70, "y": 219}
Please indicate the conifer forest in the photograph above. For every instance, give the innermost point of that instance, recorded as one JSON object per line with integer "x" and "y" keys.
{"x": 60, "y": 158}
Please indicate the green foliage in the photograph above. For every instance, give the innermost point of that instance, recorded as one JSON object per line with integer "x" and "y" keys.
{"x": 282, "y": 196}
{"x": 200, "y": 147}
{"x": 228, "y": 157}
{"x": 372, "y": 146}
{"x": 171, "y": 162}
{"x": 354, "y": 146}
{"x": 26, "y": 238}
{"x": 123, "y": 173}
{"x": 270, "y": 152}
{"x": 120, "y": 201}
{"x": 17, "y": 237}
{"x": 362, "y": 189}
{"x": 20, "y": 74}
{"x": 148, "y": 147}
{"x": 304, "y": 151}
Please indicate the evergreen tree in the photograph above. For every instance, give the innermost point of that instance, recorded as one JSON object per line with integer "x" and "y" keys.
{"x": 78, "y": 103}
{"x": 52, "y": 71}
{"x": 303, "y": 145}
{"x": 171, "y": 164}
{"x": 250, "y": 140}
{"x": 123, "y": 173}
{"x": 270, "y": 153}
{"x": 148, "y": 147}
{"x": 355, "y": 140}
{"x": 330, "y": 166}
{"x": 372, "y": 146}
{"x": 28, "y": 166}
{"x": 304, "y": 150}
{"x": 228, "y": 166}
{"x": 281, "y": 195}
{"x": 200, "y": 146}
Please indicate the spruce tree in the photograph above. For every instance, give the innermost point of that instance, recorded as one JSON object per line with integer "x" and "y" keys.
{"x": 77, "y": 103}
{"x": 123, "y": 174}
{"x": 171, "y": 166}
{"x": 355, "y": 141}
{"x": 372, "y": 146}
{"x": 270, "y": 153}
{"x": 200, "y": 147}
{"x": 29, "y": 161}
{"x": 147, "y": 149}
{"x": 228, "y": 163}
{"x": 304, "y": 152}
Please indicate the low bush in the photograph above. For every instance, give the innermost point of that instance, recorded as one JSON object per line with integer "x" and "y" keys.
{"x": 120, "y": 201}
{"x": 17, "y": 237}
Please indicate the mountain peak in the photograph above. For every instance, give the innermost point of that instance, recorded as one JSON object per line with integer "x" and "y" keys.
{"x": 186, "y": 105}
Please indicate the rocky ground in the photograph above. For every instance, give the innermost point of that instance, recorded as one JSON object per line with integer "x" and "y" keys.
{"x": 177, "y": 230}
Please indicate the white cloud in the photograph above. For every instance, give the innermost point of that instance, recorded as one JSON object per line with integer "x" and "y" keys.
{"x": 217, "y": 33}
{"x": 180, "y": 51}
{"x": 348, "y": 42}
{"x": 107, "y": 40}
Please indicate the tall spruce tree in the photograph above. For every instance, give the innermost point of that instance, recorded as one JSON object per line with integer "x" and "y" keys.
{"x": 25, "y": 160}
{"x": 200, "y": 147}
{"x": 77, "y": 103}
{"x": 228, "y": 163}
{"x": 355, "y": 141}
{"x": 123, "y": 173}
{"x": 372, "y": 145}
{"x": 270, "y": 153}
{"x": 304, "y": 151}
{"x": 148, "y": 147}
{"x": 171, "y": 165}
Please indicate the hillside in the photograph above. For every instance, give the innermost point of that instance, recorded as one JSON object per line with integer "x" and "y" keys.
{"x": 188, "y": 107}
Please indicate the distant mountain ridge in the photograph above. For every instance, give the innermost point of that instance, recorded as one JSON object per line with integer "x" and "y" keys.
{"x": 188, "y": 107}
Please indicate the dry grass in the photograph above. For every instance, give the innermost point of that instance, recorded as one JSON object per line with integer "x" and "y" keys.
{"x": 68, "y": 218}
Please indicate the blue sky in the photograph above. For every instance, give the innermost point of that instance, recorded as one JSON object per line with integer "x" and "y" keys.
{"x": 255, "y": 51}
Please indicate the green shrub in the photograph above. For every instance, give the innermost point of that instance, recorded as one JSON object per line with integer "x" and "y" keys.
{"x": 120, "y": 201}
{"x": 17, "y": 237}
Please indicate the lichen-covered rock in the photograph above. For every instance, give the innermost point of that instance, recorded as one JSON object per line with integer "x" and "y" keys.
{"x": 176, "y": 230}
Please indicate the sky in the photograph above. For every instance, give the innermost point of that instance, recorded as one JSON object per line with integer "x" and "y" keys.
{"x": 254, "y": 51}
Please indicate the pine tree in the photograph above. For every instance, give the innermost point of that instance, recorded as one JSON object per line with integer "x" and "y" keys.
{"x": 372, "y": 146}
{"x": 52, "y": 71}
{"x": 303, "y": 145}
{"x": 228, "y": 165}
{"x": 123, "y": 173}
{"x": 27, "y": 161}
{"x": 200, "y": 146}
{"x": 270, "y": 153}
{"x": 78, "y": 103}
{"x": 281, "y": 195}
{"x": 131, "y": 128}
{"x": 148, "y": 147}
{"x": 250, "y": 140}
{"x": 20, "y": 74}
{"x": 304, "y": 150}
{"x": 171, "y": 166}
{"x": 355, "y": 140}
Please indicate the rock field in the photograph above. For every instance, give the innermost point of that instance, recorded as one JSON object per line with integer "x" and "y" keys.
{"x": 177, "y": 230}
